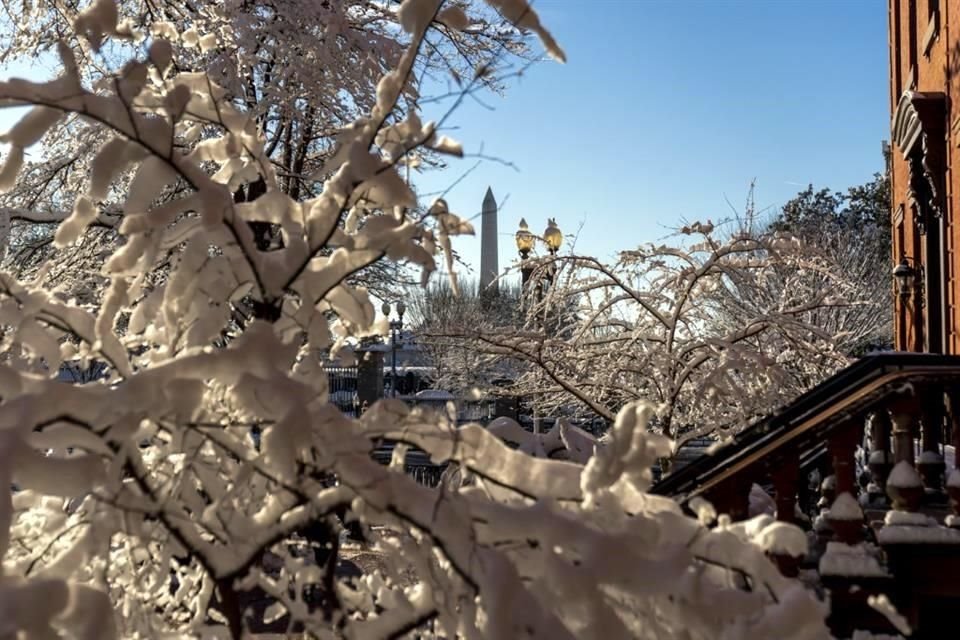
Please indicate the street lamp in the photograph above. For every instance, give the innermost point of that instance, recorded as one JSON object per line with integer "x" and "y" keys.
{"x": 553, "y": 237}
{"x": 525, "y": 241}
{"x": 906, "y": 278}
{"x": 396, "y": 327}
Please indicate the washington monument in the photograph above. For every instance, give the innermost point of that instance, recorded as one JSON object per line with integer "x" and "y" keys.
{"x": 489, "y": 263}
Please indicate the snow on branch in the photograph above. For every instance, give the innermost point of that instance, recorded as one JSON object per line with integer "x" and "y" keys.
{"x": 199, "y": 468}
{"x": 717, "y": 330}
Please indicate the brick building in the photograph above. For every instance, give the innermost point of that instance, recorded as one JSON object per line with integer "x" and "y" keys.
{"x": 925, "y": 133}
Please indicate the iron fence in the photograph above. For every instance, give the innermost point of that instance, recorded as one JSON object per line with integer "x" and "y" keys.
{"x": 416, "y": 464}
{"x": 342, "y": 385}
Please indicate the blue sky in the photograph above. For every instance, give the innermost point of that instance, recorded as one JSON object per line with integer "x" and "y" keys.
{"x": 667, "y": 109}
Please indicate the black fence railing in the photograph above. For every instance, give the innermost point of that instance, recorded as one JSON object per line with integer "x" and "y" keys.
{"x": 342, "y": 385}
{"x": 416, "y": 464}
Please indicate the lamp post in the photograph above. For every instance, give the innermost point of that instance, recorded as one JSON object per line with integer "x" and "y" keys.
{"x": 907, "y": 279}
{"x": 396, "y": 327}
{"x": 525, "y": 241}
{"x": 553, "y": 239}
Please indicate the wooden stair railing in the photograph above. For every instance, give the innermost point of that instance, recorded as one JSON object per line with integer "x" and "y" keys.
{"x": 897, "y": 539}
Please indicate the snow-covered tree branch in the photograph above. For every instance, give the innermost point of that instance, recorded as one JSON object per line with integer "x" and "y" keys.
{"x": 717, "y": 330}
{"x": 153, "y": 499}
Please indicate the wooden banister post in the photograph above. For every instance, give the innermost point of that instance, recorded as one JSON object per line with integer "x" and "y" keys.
{"x": 953, "y": 479}
{"x": 931, "y": 464}
{"x": 732, "y": 496}
{"x": 952, "y": 407}
{"x": 785, "y": 476}
{"x": 903, "y": 412}
{"x": 881, "y": 458}
{"x": 842, "y": 444}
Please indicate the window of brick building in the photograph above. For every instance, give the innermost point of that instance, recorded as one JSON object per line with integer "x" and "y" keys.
{"x": 933, "y": 25}
{"x": 914, "y": 80}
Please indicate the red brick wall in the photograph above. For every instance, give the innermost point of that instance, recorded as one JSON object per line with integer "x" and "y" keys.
{"x": 921, "y": 63}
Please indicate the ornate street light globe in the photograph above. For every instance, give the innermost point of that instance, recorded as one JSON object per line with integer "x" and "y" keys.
{"x": 385, "y": 308}
{"x": 553, "y": 236}
{"x": 524, "y": 238}
{"x": 904, "y": 275}
{"x": 401, "y": 308}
